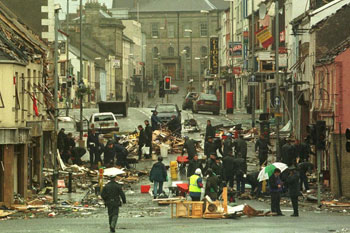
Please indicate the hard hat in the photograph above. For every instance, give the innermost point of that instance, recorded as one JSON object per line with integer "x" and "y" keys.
{"x": 198, "y": 171}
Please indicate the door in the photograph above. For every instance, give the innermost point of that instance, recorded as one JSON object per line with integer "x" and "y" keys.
{"x": 171, "y": 70}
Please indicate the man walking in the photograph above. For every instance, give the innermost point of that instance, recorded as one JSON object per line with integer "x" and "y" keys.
{"x": 92, "y": 145}
{"x": 275, "y": 184}
{"x": 158, "y": 175}
{"x": 196, "y": 184}
{"x": 142, "y": 140}
{"x": 111, "y": 194}
{"x": 241, "y": 148}
{"x": 156, "y": 122}
{"x": 148, "y": 134}
{"x": 293, "y": 188}
{"x": 261, "y": 147}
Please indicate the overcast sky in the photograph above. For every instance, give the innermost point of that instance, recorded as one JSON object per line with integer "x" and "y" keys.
{"x": 73, "y": 5}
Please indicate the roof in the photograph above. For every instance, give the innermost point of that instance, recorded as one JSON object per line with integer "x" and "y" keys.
{"x": 103, "y": 14}
{"x": 172, "y": 5}
{"x": 334, "y": 52}
{"x": 16, "y": 40}
{"x": 323, "y": 13}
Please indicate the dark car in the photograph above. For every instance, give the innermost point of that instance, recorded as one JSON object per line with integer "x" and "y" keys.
{"x": 166, "y": 111}
{"x": 206, "y": 103}
{"x": 188, "y": 101}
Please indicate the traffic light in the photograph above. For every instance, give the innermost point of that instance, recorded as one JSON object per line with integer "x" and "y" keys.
{"x": 321, "y": 135}
{"x": 311, "y": 130}
{"x": 161, "y": 89}
{"x": 167, "y": 83}
{"x": 69, "y": 81}
{"x": 347, "y": 136}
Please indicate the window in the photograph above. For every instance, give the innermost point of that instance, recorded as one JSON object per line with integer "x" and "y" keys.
{"x": 204, "y": 29}
{"x": 188, "y": 51}
{"x": 186, "y": 26}
{"x": 204, "y": 51}
{"x": 171, "y": 52}
{"x": 155, "y": 30}
{"x": 171, "y": 30}
{"x": 155, "y": 52}
{"x": 155, "y": 71}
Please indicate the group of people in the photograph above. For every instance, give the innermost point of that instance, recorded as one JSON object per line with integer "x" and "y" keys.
{"x": 114, "y": 152}
{"x": 67, "y": 148}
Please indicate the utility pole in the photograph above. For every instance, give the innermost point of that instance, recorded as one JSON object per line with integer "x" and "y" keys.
{"x": 55, "y": 170}
{"x": 278, "y": 99}
{"x": 191, "y": 55}
{"x": 253, "y": 64}
{"x": 68, "y": 63}
{"x": 81, "y": 82}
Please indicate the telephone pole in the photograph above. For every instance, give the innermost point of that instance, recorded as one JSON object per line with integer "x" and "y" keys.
{"x": 278, "y": 99}
{"x": 253, "y": 64}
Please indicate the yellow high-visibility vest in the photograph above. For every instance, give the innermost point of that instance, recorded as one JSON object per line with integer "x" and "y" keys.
{"x": 194, "y": 188}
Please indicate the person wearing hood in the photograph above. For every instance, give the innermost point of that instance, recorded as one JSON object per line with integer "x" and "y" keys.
{"x": 158, "y": 175}
{"x": 196, "y": 185}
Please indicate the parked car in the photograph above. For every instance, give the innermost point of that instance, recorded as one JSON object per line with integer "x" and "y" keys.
{"x": 188, "y": 101}
{"x": 166, "y": 111}
{"x": 206, "y": 103}
{"x": 174, "y": 89}
{"x": 104, "y": 122}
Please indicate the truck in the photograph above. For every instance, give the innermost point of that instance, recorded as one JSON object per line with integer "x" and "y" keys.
{"x": 116, "y": 107}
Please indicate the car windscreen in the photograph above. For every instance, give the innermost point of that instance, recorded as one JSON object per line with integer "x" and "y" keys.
{"x": 166, "y": 108}
{"x": 208, "y": 97}
{"x": 104, "y": 118}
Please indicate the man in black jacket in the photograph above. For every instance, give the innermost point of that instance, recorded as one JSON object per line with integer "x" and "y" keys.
{"x": 92, "y": 145}
{"x": 111, "y": 194}
{"x": 209, "y": 131}
{"x": 174, "y": 125}
{"x": 109, "y": 154}
{"x": 261, "y": 147}
{"x": 69, "y": 146}
{"x": 142, "y": 140}
{"x": 293, "y": 188}
{"x": 61, "y": 137}
{"x": 122, "y": 155}
{"x": 211, "y": 186}
{"x": 241, "y": 147}
{"x": 209, "y": 147}
{"x": 193, "y": 165}
{"x": 288, "y": 153}
{"x": 275, "y": 185}
{"x": 228, "y": 167}
{"x": 148, "y": 134}
{"x": 228, "y": 145}
{"x": 240, "y": 168}
{"x": 252, "y": 179}
{"x": 190, "y": 146}
{"x": 158, "y": 175}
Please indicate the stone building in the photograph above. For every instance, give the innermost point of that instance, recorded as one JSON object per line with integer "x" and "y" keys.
{"x": 172, "y": 27}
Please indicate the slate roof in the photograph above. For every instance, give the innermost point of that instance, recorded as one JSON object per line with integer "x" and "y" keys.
{"x": 172, "y": 5}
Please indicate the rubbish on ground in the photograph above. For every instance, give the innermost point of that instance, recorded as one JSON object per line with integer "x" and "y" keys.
{"x": 113, "y": 172}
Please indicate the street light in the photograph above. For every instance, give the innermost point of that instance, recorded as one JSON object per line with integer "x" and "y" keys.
{"x": 190, "y": 31}
{"x": 184, "y": 52}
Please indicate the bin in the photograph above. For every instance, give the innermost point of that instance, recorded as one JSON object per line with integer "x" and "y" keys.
{"x": 164, "y": 150}
{"x": 145, "y": 188}
{"x": 229, "y": 102}
{"x": 173, "y": 170}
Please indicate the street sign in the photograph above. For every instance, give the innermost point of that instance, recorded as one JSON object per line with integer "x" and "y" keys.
{"x": 277, "y": 101}
{"x": 253, "y": 83}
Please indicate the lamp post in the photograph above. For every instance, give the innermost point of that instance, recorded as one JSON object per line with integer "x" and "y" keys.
{"x": 190, "y": 31}
{"x": 55, "y": 171}
{"x": 68, "y": 63}
{"x": 81, "y": 71}
{"x": 253, "y": 64}
{"x": 184, "y": 52}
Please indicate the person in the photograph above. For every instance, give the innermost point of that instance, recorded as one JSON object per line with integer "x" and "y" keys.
{"x": 305, "y": 151}
{"x": 155, "y": 121}
{"x": 190, "y": 147}
{"x": 142, "y": 140}
{"x": 148, "y": 134}
{"x": 158, "y": 175}
{"x": 61, "y": 137}
{"x": 193, "y": 165}
{"x": 196, "y": 184}
{"x": 261, "y": 147}
{"x": 252, "y": 179}
{"x": 109, "y": 154}
{"x": 209, "y": 131}
{"x": 111, "y": 194}
{"x": 211, "y": 186}
{"x": 228, "y": 145}
{"x": 241, "y": 147}
{"x": 77, "y": 153}
{"x": 293, "y": 189}
{"x": 92, "y": 145}
{"x": 304, "y": 167}
{"x": 174, "y": 125}
{"x": 275, "y": 185}
{"x": 69, "y": 146}
{"x": 240, "y": 168}
{"x": 288, "y": 153}
{"x": 121, "y": 154}
{"x": 228, "y": 169}
{"x": 218, "y": 146}
{"x": 209, "y": 147}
